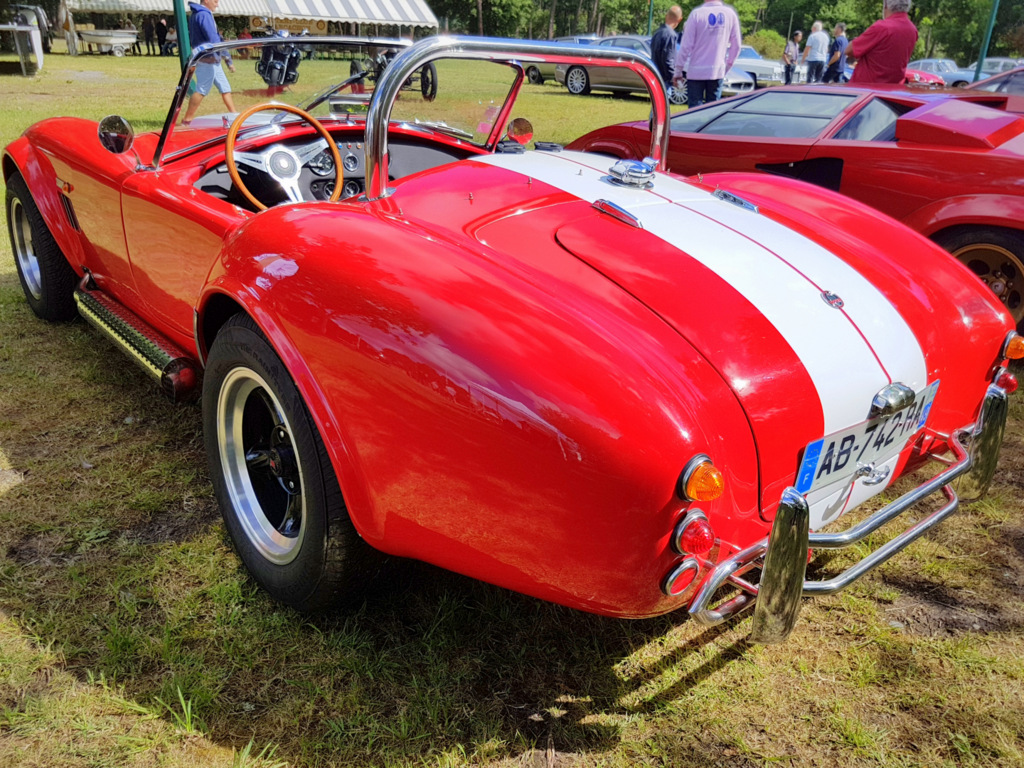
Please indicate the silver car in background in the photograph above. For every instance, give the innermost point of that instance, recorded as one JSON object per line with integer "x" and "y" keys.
{"x": 581, "y": 79}
{"x": 538, "y": 73}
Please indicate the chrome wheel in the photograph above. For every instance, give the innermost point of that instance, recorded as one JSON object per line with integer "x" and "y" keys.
{"x": 24, "y": 251}
{"x": 1001, "y": 270}
{"x": 577, "y": 81}
{"x": 262, "y": 471}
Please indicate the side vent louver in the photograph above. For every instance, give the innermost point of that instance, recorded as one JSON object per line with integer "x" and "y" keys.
{"x": 69, "y": 211}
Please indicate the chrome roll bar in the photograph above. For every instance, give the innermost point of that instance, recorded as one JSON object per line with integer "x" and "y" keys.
{"x": 501, "y": 50}
{"x": 782, "y": 555}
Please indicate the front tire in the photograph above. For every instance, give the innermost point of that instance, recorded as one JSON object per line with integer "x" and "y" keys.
{"x": 277, "y": 490}
{"x": 577, "y": 81}
{"x": 676, "y": 96}
{"x": 996, "y": 256}
{"x": 46, "y": 277}
{"x": 534, "y": 76}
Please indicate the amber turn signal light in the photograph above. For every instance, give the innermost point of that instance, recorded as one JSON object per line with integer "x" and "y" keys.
{"x": 1013, "y": 349}
{"x": 701, "y": 480}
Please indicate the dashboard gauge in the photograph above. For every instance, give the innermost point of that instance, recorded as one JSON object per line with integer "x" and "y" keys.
{"x": 322, "y": 164}
{"x": 350, "y": 162}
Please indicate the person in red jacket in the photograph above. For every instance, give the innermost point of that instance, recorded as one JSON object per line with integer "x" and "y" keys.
{"x": 883, "y": 50}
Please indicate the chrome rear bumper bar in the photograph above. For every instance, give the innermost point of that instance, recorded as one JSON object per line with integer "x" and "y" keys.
{"x": 782, "y": 555}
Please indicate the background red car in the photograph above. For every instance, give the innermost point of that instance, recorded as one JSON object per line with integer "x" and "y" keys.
{"x": 948, "y": 165}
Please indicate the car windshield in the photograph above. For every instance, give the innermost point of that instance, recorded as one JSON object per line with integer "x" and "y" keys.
{"x": 748, "y": 53}
{"x": 335, "y": 81}
{"x": 782, "y": 114}
{"x": 946, "y": 65}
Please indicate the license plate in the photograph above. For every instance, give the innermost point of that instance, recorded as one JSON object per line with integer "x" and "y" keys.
{"x": 838, "y": 456}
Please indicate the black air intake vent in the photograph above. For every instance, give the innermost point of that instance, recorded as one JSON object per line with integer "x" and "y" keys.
{"x": 69, "y": 211}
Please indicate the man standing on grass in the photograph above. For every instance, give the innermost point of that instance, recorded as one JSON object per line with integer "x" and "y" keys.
{"x": 711, "y": 43}
{"x": 202, "y": 30}
{"x": 836, "y": 56}
{"x": 884, "y": 48}
{"x": 663, "y": 44}
{"x": 816, "y": 53}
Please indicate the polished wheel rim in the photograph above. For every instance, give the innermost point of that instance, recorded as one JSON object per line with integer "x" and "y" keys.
{"x": 262, "y": 471}
{"x": 1001, "y": 270}
{"x": 577, "y": 80}
{"x": 24, "y": 250}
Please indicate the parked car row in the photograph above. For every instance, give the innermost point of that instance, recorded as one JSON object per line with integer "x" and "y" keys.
{"x": 418, "y": 328}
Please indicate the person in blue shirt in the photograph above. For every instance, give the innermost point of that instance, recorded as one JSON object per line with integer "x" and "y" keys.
{"x": 836, "y": 65}
{"x": 663, "y": 44}
{"x": 202, "y": 30}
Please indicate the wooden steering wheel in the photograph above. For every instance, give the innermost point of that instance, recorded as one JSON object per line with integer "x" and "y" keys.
{"x": 281, "y": 163}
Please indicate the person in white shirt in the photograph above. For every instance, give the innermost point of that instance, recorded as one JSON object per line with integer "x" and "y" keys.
{"x": 816, "y": 53}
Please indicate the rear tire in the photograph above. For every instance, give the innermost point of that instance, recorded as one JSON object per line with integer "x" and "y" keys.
{"x": 996, "y": 256}
{"x": 577, "y": 81}
{"x": 46, "y": 277}
{"x": 273, "y": 478}
{"x": 534, "y": 76}
{"x": 428, "y": 82}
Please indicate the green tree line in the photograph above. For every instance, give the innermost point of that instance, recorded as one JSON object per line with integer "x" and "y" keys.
{"x": 948, "y": 28}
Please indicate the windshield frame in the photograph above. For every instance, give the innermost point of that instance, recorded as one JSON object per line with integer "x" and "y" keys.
{"x": 181, "y": 91}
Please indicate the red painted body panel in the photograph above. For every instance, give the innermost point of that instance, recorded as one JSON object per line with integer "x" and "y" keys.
{"x": 495, "y": 410}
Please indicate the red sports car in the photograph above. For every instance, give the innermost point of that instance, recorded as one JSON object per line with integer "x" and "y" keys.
{"x": 420, "y": 331}
{"x": 946, "y": 164}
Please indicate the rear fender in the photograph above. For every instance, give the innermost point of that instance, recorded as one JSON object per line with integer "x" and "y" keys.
{"x": 976, "y": 210}
{"x": 932, "y": 291}
{"x": 44, "y": 186}
{"x": 462, "y": 404}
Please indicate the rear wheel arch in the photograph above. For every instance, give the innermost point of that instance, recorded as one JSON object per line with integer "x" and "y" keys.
{"x": 274, "y": 477}
{"x": 996, "y": 255}
{"x": 216, "y": 313}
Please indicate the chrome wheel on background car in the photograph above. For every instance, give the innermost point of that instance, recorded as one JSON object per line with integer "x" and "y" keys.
{"x": 45, "y": 275}
{"x": 996, "y": 256}
{"x": 676, "y": 96}
{"x": 577, "y": 81}
{"x": 273, "y": 478}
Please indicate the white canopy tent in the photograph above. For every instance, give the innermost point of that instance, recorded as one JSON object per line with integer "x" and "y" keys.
{"x": 408, "y": 13}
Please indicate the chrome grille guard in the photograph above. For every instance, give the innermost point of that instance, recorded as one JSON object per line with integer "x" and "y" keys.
{"x": 782, "y": 555}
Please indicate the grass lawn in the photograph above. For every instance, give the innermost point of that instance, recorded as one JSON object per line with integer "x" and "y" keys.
{"x": 131, "y": 636}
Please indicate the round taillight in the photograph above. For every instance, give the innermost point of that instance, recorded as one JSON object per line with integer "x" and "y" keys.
{"x": 680, "y": 578}
{"x": 693, "y": 535}
{"x": 1007, "y": 382}
{"x": 701, "y": 480}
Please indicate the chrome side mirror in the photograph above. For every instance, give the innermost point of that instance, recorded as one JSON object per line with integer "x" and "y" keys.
{"x": 116, "y": 134}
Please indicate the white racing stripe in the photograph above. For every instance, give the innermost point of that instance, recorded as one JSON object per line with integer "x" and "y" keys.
{"x": 779, "y": 271}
